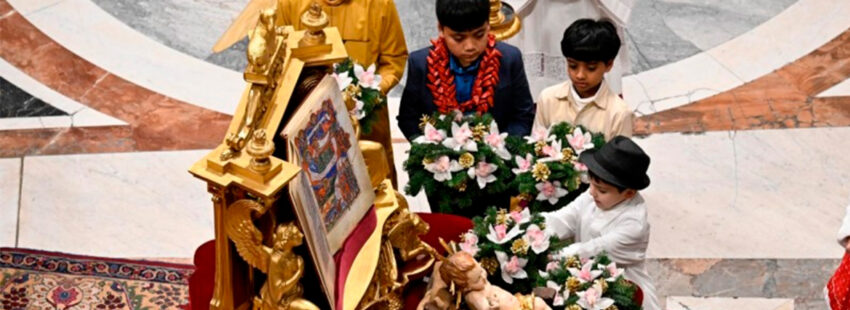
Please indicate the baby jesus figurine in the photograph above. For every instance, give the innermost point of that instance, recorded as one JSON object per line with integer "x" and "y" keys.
{"x": 469, "y": 279}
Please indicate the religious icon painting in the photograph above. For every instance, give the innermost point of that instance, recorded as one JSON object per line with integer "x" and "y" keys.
{"x": 333, "y": 191}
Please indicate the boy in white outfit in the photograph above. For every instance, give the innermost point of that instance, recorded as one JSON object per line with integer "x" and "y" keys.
{"x": 611, "y": 215}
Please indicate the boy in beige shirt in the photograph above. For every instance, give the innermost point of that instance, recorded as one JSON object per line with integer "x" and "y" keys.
{"x": 585, "y": 99}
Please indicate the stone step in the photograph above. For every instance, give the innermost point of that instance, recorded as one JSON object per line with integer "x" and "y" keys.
{"x": 696, "y": 303}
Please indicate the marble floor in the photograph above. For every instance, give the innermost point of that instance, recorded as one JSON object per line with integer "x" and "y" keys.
{"x": 744, "y": 107}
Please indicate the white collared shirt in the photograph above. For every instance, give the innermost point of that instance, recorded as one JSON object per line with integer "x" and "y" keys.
{"x": 622, "y": 232}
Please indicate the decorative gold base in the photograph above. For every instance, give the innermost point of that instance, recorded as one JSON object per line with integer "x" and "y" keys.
{"x": 504, "y": 23}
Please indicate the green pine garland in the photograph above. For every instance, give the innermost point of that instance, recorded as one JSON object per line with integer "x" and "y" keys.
{"x": 562, "y": 171}
{"x": 461, "y": 190}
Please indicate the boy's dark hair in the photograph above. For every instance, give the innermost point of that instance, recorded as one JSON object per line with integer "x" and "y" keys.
{"x": 463, "y": 15}
{"x": 593, "y": 176}
{"x": 590, "y": 40}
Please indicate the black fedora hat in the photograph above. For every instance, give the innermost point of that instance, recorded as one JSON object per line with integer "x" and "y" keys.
{"x": 620, "y": 162}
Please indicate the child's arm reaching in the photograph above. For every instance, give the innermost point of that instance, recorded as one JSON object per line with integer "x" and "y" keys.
{"x": 564, "y": 223}
{"x": 625, "y": 245}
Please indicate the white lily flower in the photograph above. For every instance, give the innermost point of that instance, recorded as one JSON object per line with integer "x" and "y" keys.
{"x": 358, "y": 110}
{"x": 539, "y": 133}
{"x": 592, "y": 299}
{"x": 431, "y": 135}
{"x": 585, "y": 274}
{"x": 499, "y": 235}
{"x": 442, "y": 168}
{"x": 523, "y": 164}
{"x": 552, "y": 152}
{"x": 559, "y": 298}
{"x": 612, "y": 270}
{"x": 342, "y": 79}
{"x": 496, "y": 141}
{"x": 580, "y": 141}
{"x": 537, "y": 238}
{"x": 520, "y": 217}
{"x": 550, "y": 191}
{"x": 367, "y": 78}
{"x": 461, "y": 139}
{"x": 512, "y": 268}
{"x": 483, "y": 173}
{"x": 470, "y": 243}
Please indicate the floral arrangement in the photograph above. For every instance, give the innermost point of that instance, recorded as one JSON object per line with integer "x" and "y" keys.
{"x": 361, "y": 87}
{"x": 546, "y": 165}
{"x": 512, "y": 247}
{"x": 593, "y": 284}
{"x": 458, "y": 159}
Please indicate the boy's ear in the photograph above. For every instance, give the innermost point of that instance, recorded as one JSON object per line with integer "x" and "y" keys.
{"x": 630, "y": 193}
{"x": 608, "y": 65}
{"x": 440, "y": 29}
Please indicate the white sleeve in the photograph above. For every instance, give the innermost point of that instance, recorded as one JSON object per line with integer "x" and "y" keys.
{"x": 564, "y": 223}
{"x": 624, "y": 245}
{"x": 844, "y": 232}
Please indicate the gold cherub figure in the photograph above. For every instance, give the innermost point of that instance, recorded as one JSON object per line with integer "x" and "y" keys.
{"x": 284, "y": 268}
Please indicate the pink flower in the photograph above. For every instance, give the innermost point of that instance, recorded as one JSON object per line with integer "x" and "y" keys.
{"x": 613, "y": 271}
{"x": 512, "y": 268}
{"x": 520, "y": 217}
{"x": 500, "y": 234}
{"x": 443, "y": 167}
{"x": 523, "y": 164}
{"x": 580, "y": 141}
{"x": 552, "y": 265}
{"x": 431, "y": 136}
{"x": 501, "y": 231}
{"x": 585, "y": 274}
{"x": 483, "y": 173}
{"x": 552, "y": 152}
{"x": 537, "y": 238}
{"x": 592, "y": 299}
{"x": 550, "y": 191}
{"x": 496, "y": 141}
{"x": 367, "y": 78}
{"x": 470, "y": 243}
{"x": 538, "y": 134}
{"x": 461, "y": 139}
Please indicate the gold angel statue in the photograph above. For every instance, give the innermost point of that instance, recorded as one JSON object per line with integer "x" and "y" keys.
{"x": 282, "y": 289}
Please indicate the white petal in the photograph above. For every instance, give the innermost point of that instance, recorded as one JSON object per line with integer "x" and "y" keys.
{"x": 521, "y": 274}
{"x": 604, "y": 303}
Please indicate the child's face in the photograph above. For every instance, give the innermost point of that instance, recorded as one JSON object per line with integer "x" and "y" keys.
{"x": 466, "y": 46}
{"x": 606, "y": 195}
{"x": 587, "y": 75}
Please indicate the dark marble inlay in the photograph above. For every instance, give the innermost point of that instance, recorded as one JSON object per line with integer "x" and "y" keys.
{"x": 14, "y": 102}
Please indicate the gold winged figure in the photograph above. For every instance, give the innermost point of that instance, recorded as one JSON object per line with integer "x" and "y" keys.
{"x": 284, "y": 268}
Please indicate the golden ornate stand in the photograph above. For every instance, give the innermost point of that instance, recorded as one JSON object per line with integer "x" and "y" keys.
{"x": 504, "y": 22}
{"x": 247, "y": 185}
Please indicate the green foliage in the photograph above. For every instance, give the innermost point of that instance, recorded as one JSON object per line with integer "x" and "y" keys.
{"x": 373, "y": 99}
{"x": 461, "y": 190}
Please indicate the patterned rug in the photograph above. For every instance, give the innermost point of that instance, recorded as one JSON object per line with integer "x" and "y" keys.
{"x": 43, "y": 280}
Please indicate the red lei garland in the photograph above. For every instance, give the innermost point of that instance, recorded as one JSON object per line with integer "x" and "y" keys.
{"x": 441, "y": 81}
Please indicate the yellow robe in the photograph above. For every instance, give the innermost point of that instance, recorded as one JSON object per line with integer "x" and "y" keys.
{"x": 372, "y": 33}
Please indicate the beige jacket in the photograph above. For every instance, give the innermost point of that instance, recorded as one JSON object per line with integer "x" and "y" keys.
{"x": 607, "y": 114}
